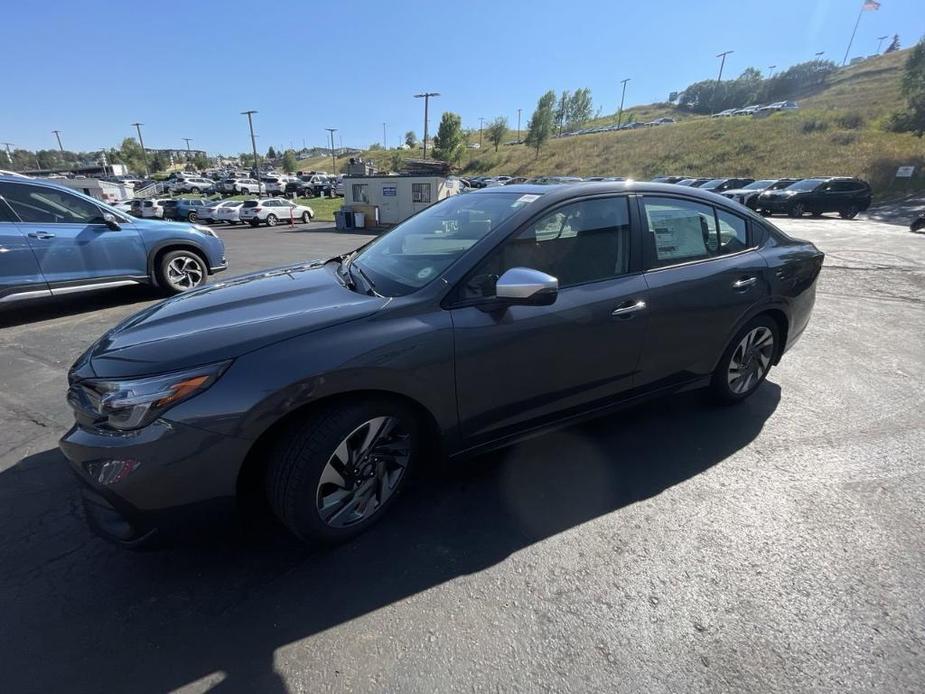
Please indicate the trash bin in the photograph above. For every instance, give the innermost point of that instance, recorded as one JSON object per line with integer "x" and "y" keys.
{"x": 348, "y": 218}
{"x": 340, "y": 220}
{"x": 359, "y": 220}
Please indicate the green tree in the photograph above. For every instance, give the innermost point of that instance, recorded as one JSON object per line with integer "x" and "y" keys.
{"x": 450, "y": 140}
{"x": 157, "y": 162}
{"x": 131, "y": 155}
{"x": 894, "y": 44}
{"x": 271, "y": 153}
{"x": 201, "y": 161}
{"x": 289, "y": 163}
{"x": 411, "y": 139}
{"x": 497, "y": 129}
{"x": 579, "y": 108}
{"x": 913, "y": 89}
{"x": 541, "y": 124}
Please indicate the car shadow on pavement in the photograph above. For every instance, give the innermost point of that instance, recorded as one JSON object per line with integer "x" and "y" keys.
{"x": 82, "y": 615}
{"x": 38, "y": 310}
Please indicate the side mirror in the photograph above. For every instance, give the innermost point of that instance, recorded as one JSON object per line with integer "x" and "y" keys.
{"x": 526, "y": 286}
{"x": 109, "y": 219}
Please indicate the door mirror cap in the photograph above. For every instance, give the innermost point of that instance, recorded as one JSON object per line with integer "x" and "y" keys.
{"x": 526, "y": 286}
{"x": 109, "y": 219}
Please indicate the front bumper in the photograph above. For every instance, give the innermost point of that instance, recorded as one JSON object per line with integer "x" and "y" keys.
{"x": 164, "y": 479}
{"x": 774, "y": 204}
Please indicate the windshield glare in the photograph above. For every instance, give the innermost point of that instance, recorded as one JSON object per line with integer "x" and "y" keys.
{"x": 416, "y": 251}
{"x": 759, "y": 185}
{"x": 807, "y": 184}
{"x": 715, "y": 183}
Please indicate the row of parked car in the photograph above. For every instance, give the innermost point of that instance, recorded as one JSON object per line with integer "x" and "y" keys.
{"x": 269, "y": 211}
{"x": 626, "y": 126}
{"x": 758, "y": 109}
{"x": 308, "y": 185}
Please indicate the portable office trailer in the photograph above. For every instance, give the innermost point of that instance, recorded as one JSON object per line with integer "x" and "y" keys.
{"x": 398, "y": 197}
{"x": 105, "y": 191}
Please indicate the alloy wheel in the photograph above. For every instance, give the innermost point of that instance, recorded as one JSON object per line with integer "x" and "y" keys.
{"x": 363, "y": 472}
{"x": 185, "y": 272}
{"x": 750, "y": 360}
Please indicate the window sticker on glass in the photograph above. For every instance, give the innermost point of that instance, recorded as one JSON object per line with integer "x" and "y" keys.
{"x": 524, "y": 200}
{"x": 677, "y": 236}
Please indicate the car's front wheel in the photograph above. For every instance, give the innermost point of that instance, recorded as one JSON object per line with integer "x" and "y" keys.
{"x": 798, "y": 209}
{"x": 849, "y": 212}
{"x": 192, "y": 217}
{"x": 333, "y": 475}
{"x": 194, "y": 190}
{"x": 180, "y": 271}
{"x": 747, "y": 360}
{"x": 306, "y": 218}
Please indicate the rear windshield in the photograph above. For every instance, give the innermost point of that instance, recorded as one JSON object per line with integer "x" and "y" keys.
{"x": 251, "y": 203}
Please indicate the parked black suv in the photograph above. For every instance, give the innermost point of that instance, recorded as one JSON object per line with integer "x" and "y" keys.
{"x": 847, "y": 196}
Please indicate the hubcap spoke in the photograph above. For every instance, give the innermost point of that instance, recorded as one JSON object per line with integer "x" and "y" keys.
{"x": 750, "y": 360}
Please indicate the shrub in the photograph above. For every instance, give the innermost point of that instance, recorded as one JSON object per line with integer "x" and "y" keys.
{"x": 844, "y": 138}
{"x": 814, "y": 125}
{"x": 852, "y": 120}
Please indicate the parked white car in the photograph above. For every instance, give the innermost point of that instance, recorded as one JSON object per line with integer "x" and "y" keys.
{"x": 272, "y": 211}
{"x": 230, "y": 213}
{"x": 724, "y": 114}
{"x": 122, "y": 206}
{"x": 191, "y": 184}
{"x": 780, "y": 106}
{"x": 208, "y": 212}
{"x": 747, "y": 111}
{"x": 242, "y": 186}
{"x": 152, "y": 209}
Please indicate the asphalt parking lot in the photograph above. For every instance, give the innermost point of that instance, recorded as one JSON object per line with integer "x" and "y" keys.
{"x": 774, "y": 546}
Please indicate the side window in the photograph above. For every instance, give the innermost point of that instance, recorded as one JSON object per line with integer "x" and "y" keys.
{"x": 35, "y": 204}
{"x": 360, "y": 192}
{"x": 420, "y": 192}
{"x": 679, "y": 231}
{"x": 583, "y": 242}
{"x": 733, "y": 236}
{"x": 6, "y": 214}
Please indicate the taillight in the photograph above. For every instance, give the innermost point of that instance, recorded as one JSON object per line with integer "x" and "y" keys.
{"x": 256, "y": 209}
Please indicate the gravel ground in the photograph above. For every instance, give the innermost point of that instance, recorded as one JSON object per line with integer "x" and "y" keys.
{"x": 773, "y": 546}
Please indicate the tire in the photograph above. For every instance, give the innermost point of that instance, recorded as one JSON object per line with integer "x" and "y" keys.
{"x": 181, "y": 271}
{"x": 797, "y": 210}
{"x": 271, "y": 220}
{"x": 754, "y": 355}
{"x": 320, "y": 482}
{"x": 849, "y": 212}
{"x": 306, "y": 218}
{"x": 815, "y": 213}
{"x": 194, "y": 191}
{"x": 192, "y": 217}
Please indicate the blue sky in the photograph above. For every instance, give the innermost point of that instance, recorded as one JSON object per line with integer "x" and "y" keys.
{"x": 187, "y": 69}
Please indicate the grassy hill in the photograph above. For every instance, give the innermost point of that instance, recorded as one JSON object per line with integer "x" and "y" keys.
{"x": 837, "y": 131}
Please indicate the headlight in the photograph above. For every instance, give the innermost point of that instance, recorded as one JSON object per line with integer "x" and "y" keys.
{"x": 204, "y": 230}
{"x": 134, "y": 403}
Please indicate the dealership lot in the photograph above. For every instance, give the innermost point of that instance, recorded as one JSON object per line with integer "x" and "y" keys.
{"x": 777, "y": 545}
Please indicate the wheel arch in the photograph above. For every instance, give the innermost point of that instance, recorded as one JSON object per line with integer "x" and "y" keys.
{"x": 777, "y": 313}
{"x": 158, "y": 252}
{"x": 249, "y": 484}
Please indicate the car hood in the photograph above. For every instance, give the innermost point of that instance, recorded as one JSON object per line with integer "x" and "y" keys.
{"x": 741, "y": 191}
{"x": 224, "y": 320}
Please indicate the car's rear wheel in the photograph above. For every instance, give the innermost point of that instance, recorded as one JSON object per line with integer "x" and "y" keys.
{"x": 849, "y": 212}
{"x": 333, "y": 475}
{"x": 192, "y": 217}
{"x": 306, "y": 218}
{"x": 255, "y": 223}
{"x": 798, "y": 209}
{"x": 747, "y": 361}
{"x": 271, "y": 220}
{"x": 194, "y": 190}
{"x": 180, "y": 271}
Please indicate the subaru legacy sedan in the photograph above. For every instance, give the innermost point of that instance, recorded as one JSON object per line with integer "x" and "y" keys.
{"x": 316, "y": 389}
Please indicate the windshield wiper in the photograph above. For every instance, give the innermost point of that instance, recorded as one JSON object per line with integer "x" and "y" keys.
{"x": 359, "y": 269}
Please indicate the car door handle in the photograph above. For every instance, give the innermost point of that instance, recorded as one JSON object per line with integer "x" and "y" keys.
{"x": 631, "y": 308}
{"x": 41, "y": 235}
{"x": 744, "y": 282}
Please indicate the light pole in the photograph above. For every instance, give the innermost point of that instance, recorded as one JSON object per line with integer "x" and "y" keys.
{"x": 722, "y": 64}
{"x": 250, "y": 124}
{"x": 481, "y": 122}
{"x": 880, "y": 40}
{"x": 819, "y": 54}
{"x": 771, "y": 71}
{"x": 144, "y": 152}
{"x": 518, "y": 123}
{"x": 426, "y": 96}
{"x": 622, "y": 96}
{"x": 385, "y": 142}
{"x": 60, "y": 146}
{"x": 188, "y": 153}
{"x": 333, "y": 156}
{"x": 9, "y": 153}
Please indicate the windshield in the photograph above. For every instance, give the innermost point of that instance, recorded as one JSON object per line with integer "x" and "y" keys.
{"x": 418, "y": 250}
{"x": 807, "y": 184}
{"x": 759, "y": 185}
{"x": 715, "y": 183}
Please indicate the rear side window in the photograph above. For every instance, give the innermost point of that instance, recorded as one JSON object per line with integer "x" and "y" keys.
{"x": 41, "y": 205}
{"x": 251, "y": 203}
{"x": 679, "y": 230}
{"x": 733, "y": 234}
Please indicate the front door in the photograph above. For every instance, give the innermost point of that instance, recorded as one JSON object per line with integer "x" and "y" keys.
{"x": 20, "y": 275}
{"x": 521, "y": 365}
{"x": 69, "y": 238}
{"x": 703, "y": 277}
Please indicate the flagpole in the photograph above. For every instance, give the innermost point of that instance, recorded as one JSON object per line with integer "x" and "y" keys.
{"x": 848, "y": 50}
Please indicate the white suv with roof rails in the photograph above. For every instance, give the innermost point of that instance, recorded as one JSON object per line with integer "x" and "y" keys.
{"x": 191, "y": 184}
{"x": 272, "y": 211}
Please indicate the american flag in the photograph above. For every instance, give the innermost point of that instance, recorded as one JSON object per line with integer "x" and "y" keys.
{"x": 870, "y": 5}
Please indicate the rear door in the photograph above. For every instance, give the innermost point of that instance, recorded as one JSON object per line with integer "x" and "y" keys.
{"x": 704, "y": 275}
{"x": 20, "y": 275}
{"x": 69, "y": 238}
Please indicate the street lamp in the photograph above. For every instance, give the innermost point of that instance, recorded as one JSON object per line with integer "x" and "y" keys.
{"x": 385, "y": 142}
{"x": 481, "y": 122}
{"x": 250, "y": 123}
{"x": 722, "y": 64}
{"x": 426, "y": 96}
{"x": 819, "y": 54}
{"x": 771, "y": 71}
{"x": 188, "y": 153}
{"x": 880, "y": 40}
{"x": 144, "y": 153}
{"x": 622, "y": 96}
{"x": 333, "y": 156}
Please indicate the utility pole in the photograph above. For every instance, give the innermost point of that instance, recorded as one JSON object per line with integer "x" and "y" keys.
{"x": 188, "y": 153}
{"x": 880, "y": 40}
{"x": 426, "y": 96}
{"x": 622, "y": 96}
{"x": 819, "y": 54}
{"x": 385, "y": 142}
{"x": 722, "y": 64}
{"x": 144, "y": 153}
{"x": 333, "y": 156}
{"x": 771, "y": 71}
{"x": 9, "y": 153}
{"x": 481, "y": 122}
{"x": 60, "y": 146}
{"x": 518, "y": 123}
{"x": 250, "y": 123}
